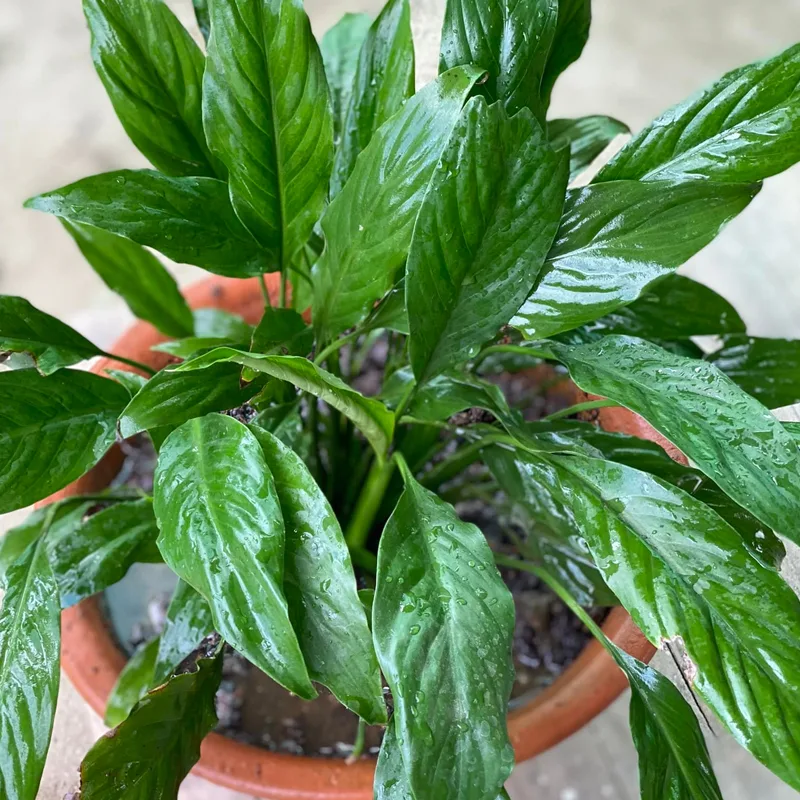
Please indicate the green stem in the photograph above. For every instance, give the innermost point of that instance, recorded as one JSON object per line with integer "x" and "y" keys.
{"x": 335, "y": 346}
{"x": 358, "y": 745}
{"x": 284, "y": 289}
{"x": 265, "y": 291}
{"x": 369, "y": 504}
{"x": 453, "y": 465}
{"x": 516, "y": 349}
{"x": 365, "y": 560}
{"x": 589, "y": 405}
{"x": 405, "y": 402}
{"x": 130, "y": 362}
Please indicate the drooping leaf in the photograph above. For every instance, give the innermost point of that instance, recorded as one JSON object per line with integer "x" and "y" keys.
{"x": 282, "y": 331}
{"x": 681, "y": 571}
{"x": 222, "y": 533}
{"x": 98, "y": 553}
{"x": 767, "y": 369}
{"x": 483, "y": 233}
{"x": 51, "y": 343}
{"x": 134, "y": 682}
{"x": 586, "y": 137}
{"x": 267, "y": 117}
{"x": 52, "y": 430}
{"x": 30, "y": 639}
{"x": 173, "y": 397}
{"x": 511, "y": 39}
{"x": 320, "y": 588}
{"x": 137, "y": 276}
{"x": 189, "y": 622}
{"x": 153, "y": 71}
{"x": 572, "y": 33}
{"x": 730, "y": 436}
{"x": 340, "y": 48}
{"x": 369, "y": 224}
{"x": 745, "y": 127}
{"x": 383, "y": 81}
{"x": 189, "y": 220}
{"x": 202, "y": 16}
{"x": 374, "y": 420}
{"x": 618, "y": 238}
{"x": 442, "y": 623}
{"x": 151, "y": 752}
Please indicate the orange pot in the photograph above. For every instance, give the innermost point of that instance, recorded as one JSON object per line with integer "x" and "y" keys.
{"x": 93, "y": 662}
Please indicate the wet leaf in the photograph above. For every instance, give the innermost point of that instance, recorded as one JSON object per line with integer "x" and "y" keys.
{"x": 586, "y": 137}
{"x": 135, "y": 680}
{"x": 320, "y": 588}
{"x": 443, "y": 622}
{"x": 483, "y": 233}
{"x": 222, "y": 533}
{"x": 368, "y": 226}
{"x": 282, "y": 331}
{"x": 52, "y": 431}
{"x": 203, "y": 20}
{"x": 572, "y": 33}
{"x": 390, "y": 314}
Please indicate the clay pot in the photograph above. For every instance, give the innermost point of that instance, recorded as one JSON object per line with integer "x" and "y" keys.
{"x": 93, "y": 662}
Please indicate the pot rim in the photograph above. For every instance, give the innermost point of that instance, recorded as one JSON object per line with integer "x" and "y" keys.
{"x": 93, "y": 662}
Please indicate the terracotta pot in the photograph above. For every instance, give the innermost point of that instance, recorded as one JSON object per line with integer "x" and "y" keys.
{"x": 93, "y": 662}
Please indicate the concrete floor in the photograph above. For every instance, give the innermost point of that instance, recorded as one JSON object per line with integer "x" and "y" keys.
{"x": 57, "y": 126}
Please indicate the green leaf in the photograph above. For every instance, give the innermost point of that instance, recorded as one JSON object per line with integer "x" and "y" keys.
{"x": 173, "y": 397}
{"x": 189, "y": 220}
{"x": 134, "y": 682}
{"x": 618, "y": 238}
{"x": 390, "y": 314}
{"x": 216, "y": 323}
{"x": 340, "y": 48}
{"x": 443, "y": 621}
{"x": 136, "y": 275}
{"x": 30, "y": 639}
{"x": 681, "y": 571}
{"x": 368, "y": 226}
{"x": 374, "y": 420}
{"x": 148, "y": 756}
{"x": 283, "y": 421}
{"x": 51, "y": 343}
{"x": 743, "y": 128}
{"x": 511, "y": 40}
{"x": 189, "y": 621}
{"x": 132, "y": 381}
{"x": 383, "y": 81}
{"x": 320, "y": 588}
{"x": 52, "y": 430}
{"x": 767, "y": 369}
{"x": 202, "y": 17}
{"x": 586, "y": 137}
{"x": 153, "y": 71}
{"x": 483, "y": 233}
{"x": 730, "y": 436}
{"x": 222, "y": 533}
{"x": 674, "y": 308}
{"x": 572, "y": 33}
{"x": 98, "y": 553}
{"x": 267, "y": 116}
{"x": 282, "y": 331}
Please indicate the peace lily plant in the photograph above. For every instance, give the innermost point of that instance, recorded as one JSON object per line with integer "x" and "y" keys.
{"x": 437, "y": 227}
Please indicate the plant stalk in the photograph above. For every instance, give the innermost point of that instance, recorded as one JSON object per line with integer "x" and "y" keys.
{"x": 130, "y": 362}
{"x": 589, "y": 405}
{"x": 369, "y": 504}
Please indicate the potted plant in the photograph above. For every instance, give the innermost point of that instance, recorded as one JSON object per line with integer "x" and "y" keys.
{"x": 436, "y": 241}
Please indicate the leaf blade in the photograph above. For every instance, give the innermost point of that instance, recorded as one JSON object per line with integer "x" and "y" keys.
{"x": 133, "y": 683}
{"x": 586, "y": 137}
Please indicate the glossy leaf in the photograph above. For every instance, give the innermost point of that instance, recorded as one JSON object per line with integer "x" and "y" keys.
{"x": 30, "y": 637}
{"x": 510, "y": 39}
{"x": 137, "y": 276}
{"x": 148, "y": 756}
{"x": 745, "y": 127}
{"x": 202, "y": 17}
{"x": 189, "y": 220}
{"x": 320, "y": 588}
{"x": 135, "y": 680}
{"x": 98, "y": 553}
{"x": 586, "y": 137}
{"x": 51, "y": 343}
{"x": 340, "y": 49}
{"x": 483, "y": 233}
{"x": 216, "y": 323}
{"x": 268, "y": 119}
{"x": 153, "y": 71}
{"x": 189, "y": 622}
{"x": 383, "y": 81}
{"x": 282, "y": 331}
{"x": 132, "y": 381}
{"x": 52, "y": 430}
{"x": 222, "y": 533}
{"x": 368, "y": 226}
{"x": 767, "y": 369}
{"x": 730, "y": 436}
{"x": 572, "y": 33}
{"x": 442, "y": 622}
{"x": 173, "y": 397}
{"x": 390, "y": 314}
{"x": 374, "y": 420}
{"x": 283, "y": 421}
{"x": 618, "y": 238}
{"x": 681, "y": 571}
